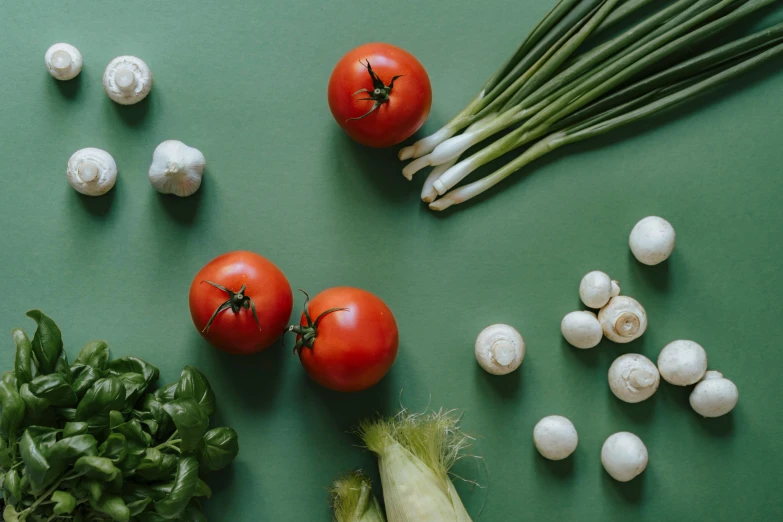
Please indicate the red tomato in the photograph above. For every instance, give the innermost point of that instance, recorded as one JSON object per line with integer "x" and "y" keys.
{"x": 379, "y": 94}
{"x": 353, "y": 344}
{"x": 252, "y": 308}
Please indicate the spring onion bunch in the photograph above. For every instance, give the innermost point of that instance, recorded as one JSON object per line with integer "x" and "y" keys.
{"x": 569, "y": 81}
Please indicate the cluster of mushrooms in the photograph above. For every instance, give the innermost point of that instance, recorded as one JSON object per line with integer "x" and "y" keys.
{"x": 176, "y": 168}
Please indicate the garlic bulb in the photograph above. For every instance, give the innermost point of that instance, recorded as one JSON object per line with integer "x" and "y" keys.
{"x": 623, "y": 319}
{"x": 64, "y": 61}
{"x": 91, "y": 171}
{"x": 596, "y": 289}
{"x": 633, "y": 378}
{"x": 127, "y": 80}
{"x": 176, "y": 168}
{"x": 714, "y": 395}
{"x": 581, "y": 329}
{"x": 499, "y": 349}
{"x": 652, "y": 240}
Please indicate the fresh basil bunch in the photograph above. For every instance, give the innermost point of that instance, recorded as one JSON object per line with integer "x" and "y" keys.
{"x": 91, "y": 441}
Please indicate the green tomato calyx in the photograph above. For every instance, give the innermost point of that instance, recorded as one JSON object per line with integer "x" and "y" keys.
{"x": 379, "y": 93}
{"x": 236, "y": 302}
{"x": 307, "y": 333}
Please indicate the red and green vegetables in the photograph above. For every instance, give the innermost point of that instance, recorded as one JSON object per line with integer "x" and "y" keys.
{"x": 569, "y": 81}
{"x": 92, "y": 441}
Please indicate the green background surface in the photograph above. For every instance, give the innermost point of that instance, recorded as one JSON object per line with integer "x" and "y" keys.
{"x": 245, "y": 82}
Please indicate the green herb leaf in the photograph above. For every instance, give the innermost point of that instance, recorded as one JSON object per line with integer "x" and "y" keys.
{"x": 10, "y": 514}
{"x": 32, "y": 401}
{"x": 12, "y": 408}
{"x": 64, "y": 503}
{"x": 192, "y": 514}
{"x": 114, "y": 448}
{"x": 135, "y": 365}
{"x": 34, "y": 447}
{"x": 54, "y": 388}
{"x": 12, "y": 485}
{"x": 97, "y": 468}
{"x": 114, "y": 507}
{"x": 93, "y": 488}
{"x": 138, "y": 506}
{"x": 68, "y": 450}
{"x": 202, "y": 490}
{"x": 95, "y": 354}
{"x": 219, "y": 447}
{"x": 194, "y": 384}
{"x": 74, "y": 428}
{"x": 135, "y": 384}
{"x": 63, "y": 368}
{"x": 157, "y": 465}
{"x": 84, "y": 377}
{"x": 166, "y": 394}
{"x": 105, "y": 395}
{"x": 23, "y": 358}
{"x": 136, "y": 442}
{"x": 185, "y": 485}
{"x": 190, "y": 420}
{"x": 47, "y": 342}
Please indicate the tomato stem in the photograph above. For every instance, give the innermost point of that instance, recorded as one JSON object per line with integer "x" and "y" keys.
{"x": 236, "y": 301}
{"x": 309, "y": 332}
{"x": 379, "y": 94}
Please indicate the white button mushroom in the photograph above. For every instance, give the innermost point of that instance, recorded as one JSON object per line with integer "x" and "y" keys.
{"x": 499, "y": 349}
{"x": 91, "y": 171}
{"x": 682, "y": 362}
{"x": 596, "y": 289}
{"x": 555, "y": 437}
{"x": 633, "y": 378}
{"x": 714, "y": 395}
{"x": 63, "y": 61}
{"x": 624, "y": 456}
{"x": 652, "y": 240}
{"x": 581, "y": 329}
{"x": 127, "y": 80}
{"x": 176, "y": 168}
{"x": 623, "y": 319}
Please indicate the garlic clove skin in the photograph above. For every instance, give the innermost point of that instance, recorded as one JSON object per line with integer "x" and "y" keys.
{"x": 633, "y": 378}
{"x": 652, "y": 240}
{"x": 176, "y": 168}
{"x": 623, "y": 319}
{"x": 127, "y": 80}
{"x": 624, "y": 456}
{"x": 714, "y": 396}
{"x": 682, "y": 362}
{"x": 595, "y": 289}
{"x": 91, "y": 171}
{"x": 499, "y": 349}
{"x": 555, "y": 437}
{"x": 63, "y": 61}
{"x": 581, "y": 330}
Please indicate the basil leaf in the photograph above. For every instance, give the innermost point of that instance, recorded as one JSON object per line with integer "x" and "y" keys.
{"x": 33, "y": 447}
{"x": 116, "y": 418}
{"x": 166, "y": 394}
{"x": 194, "y": 384}
{"x": 97, "y": 468}
{"x": 202, "y": 490}
{"x": 93, "y": 488}
{"x": 192, "y": 514}
{"x": 138, "y": 506}
{"x": 84, "y": 377}
{"x": 219, "y": 447}
{"x": 158, "y": 491}
{"x": 105, "y": 395}
{"x": 155, "y": 408}
{"x": 10, "y": 514}
{"x": 114, "y": 507}
{"x": 12, "y": 408}
{"x": 74, "y": 428}
{"x": 136, "y": 442}
{"x": 23, "y": 359}
{"x": 64, "y": 503}
{"x": 47, "y": 342}
{"x": 135, "y": 365}
{"x": 114, "y": 448}
{"x": 32, "y": 401}
{"x": 190, "y": 420}
{"x": 54, "y": 388}
{"x": 12, "y": 485}
{"x": 157, "y": 466}
{"x": 184, "y": 487}
{"x": 10, "y": 379}
{"x": 134, "y": 386}
{"x": 68, "y": 450}
{"x": 69, "y": 414}
{"x": 149, "y": 516}
{"x": 94, "y": 354}
{"x": 63, "y": 368}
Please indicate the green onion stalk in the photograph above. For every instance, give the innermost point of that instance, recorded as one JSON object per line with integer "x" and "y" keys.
{"x": 551, "y": 92}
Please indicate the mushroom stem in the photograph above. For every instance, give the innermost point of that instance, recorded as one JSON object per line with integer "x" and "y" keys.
{"x": 502, "y": 351}
{"x": 641, "y": 379}
{"x": 627, "y": 325}
{"x": 88, "y": 171}
{"x": 125, "y": 79}
{"x": 61, "y": 60}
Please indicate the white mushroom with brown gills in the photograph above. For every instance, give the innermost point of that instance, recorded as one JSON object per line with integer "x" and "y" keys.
{"x": 63, "y": 61}
{"x": 499, "y": 349}
{"x": 623, "y": 319}
{"x": 682, "y": 362}
{"x": 714, "y": 395}
{"x": 633, "y": 378}
{"x": 91, "y": 171}
{"x": 624, "y": 456}
{"x": 127, "y": 80}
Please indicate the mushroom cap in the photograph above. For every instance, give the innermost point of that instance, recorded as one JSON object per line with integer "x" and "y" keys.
{"x": 595, "y": 289}
{"x": 633, "y": 378}
{"x": 624, "y": 456}
{"x": 682, "y": 362}
{"x": 106, "y": 175}
{"x": 70, "y": 72}
{"x": 652, "y": 240}
{"x": 581, "y": 329}
{"x": 499, "y": 349}
{"x": 623, "y": 319}
{"x": 714, "y": 395}
{"x": 142, "y": 75}
{"x": 555, "y": 437}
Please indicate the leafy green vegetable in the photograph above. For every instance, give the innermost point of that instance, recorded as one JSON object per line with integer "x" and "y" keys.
{"x": 93, "y": 441}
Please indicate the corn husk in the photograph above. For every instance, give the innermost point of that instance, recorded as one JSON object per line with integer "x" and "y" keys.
{"x": 353, "y": 500}
{"x": 415, "y": 453}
